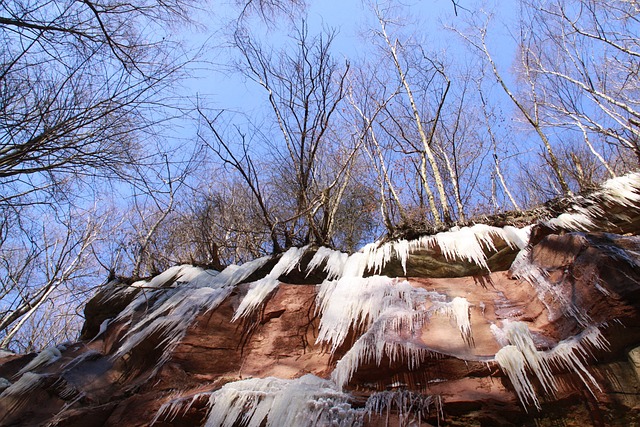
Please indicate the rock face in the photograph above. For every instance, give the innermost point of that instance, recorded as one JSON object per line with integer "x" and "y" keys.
{"x": 477, "y": 326}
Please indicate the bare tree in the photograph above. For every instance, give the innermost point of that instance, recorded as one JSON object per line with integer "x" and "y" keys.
{"x": 38, "y": 263}
{"x": 595, "y": 95}
{"x": 304, "y": 88}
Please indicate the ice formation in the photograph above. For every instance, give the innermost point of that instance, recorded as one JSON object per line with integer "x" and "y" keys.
{"x": 523, "y": 269}
{"x": 570, "y": 354}
{"x": 411, "y": 407}
{"x": 458, "y": 310}
{"x": 256, "y": 402}
{"x": 395, "y": 334}
{"x": 44, "y": 358}
{"x": 335, "y": 261}
{"x": 624, "y": 190}
{"x": 385, "y": 338}
{"x": 355, "y": 303}
{"x": 512, "y": 362}
{"x": 579, "y": 221}
{"x": 520, "y": 356}
{"x": 174, "y": 309}
{"x": 260, "y": 289}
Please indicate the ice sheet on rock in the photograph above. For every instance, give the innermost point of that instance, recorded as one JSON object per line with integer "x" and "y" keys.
{"x": 522, "y": 268}
{"x": 274, "y": 402}
{"x": 27, "y": 382}
{"x": 260, "y": 289}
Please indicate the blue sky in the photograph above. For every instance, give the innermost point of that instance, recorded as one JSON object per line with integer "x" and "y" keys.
{"x": 228, "y": 90}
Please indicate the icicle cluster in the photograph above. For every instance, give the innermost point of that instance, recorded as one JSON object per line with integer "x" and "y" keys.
{"x": 458, "y": 310}
{"x": 355, "y": 303}
{"x": 411, "y": 407}
{"x": 395, "y": 318}
{"x": 260, "y": 289}
{"x": 469, "y": 244}
{"x": 622, "y": 191}
{"x": 523, "y": 269}
{"x": 274, "y": 402}
{"x": 174, "y": 309}
{"x": 520, "y": 356}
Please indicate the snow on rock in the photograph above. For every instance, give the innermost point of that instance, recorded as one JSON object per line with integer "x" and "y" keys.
{"x": 260, "y": 289}
{"x": 274, "y": 402}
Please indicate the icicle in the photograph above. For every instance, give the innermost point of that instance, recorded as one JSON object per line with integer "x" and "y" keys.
{"x": 572, "y": 221}
{"x": 391, "y": 335}
{"x": 27, "y": 382}
{"x": 572, "y": 353}
{"x": 335, "y": 261}
{"x": 353, "y": 302}
{"x": 512, "y": 362}
{"x": 462, "y": 245}
{"x": 411, "y": 407}
{"x": 519, "y": 335}
{"x": 260, "y": 289}
{"x": 569, "y": 354}
{"x": 273, "y": 402}
{"x": 257, "y": 293}
{"x": 458, "y": 310}
{"x": 45, "y": 358}
{"x": 516, "y": 238}
{"x": 172, "y": 408}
